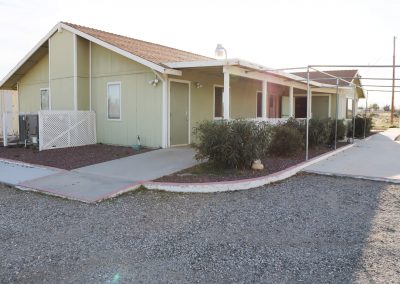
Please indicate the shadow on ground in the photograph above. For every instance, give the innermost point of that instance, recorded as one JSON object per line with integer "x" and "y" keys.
{"x": 306, "y": 229}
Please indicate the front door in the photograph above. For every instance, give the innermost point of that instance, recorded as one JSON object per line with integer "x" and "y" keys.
{"x": 179, "y": 113}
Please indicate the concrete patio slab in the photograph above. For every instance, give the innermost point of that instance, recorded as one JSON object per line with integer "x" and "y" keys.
{"x": 146, "y": 166}
{"x": 78, "y": 186}
{"x": 13, "y": 173}
{"x": 376, "y": 158}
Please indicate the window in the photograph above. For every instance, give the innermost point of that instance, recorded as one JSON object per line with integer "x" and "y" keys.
{"x": 218, "y": 91}
{"x": 349, "y": 108}
{"x": 114, "y": 101}
{"x": 44, "y": 99}
{"x": 259, "y": 104}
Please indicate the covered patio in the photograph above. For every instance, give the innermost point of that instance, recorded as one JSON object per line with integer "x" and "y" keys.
{"x": 234, "y": 89}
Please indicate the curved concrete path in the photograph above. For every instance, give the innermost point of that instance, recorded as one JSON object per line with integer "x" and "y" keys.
{"x": 376, "y": 158}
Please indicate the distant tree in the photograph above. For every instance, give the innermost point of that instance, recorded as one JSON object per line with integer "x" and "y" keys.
{"x": 386, "y": 108}
{"x": 374, "y": 106}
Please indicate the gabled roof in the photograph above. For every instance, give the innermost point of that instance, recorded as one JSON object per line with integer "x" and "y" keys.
{"x": 149, "y": 54}
{"x": 156, "y": 53}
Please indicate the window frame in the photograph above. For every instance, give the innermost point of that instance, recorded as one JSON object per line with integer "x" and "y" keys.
{"x": 120, "y": 101}
{"x": 222, "y": 102}
{"x": 48, "y": 98}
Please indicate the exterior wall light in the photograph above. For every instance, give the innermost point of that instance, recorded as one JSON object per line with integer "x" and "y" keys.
{"x": 154, "y": 82}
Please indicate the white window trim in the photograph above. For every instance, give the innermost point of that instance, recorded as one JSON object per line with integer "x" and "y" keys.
{"x": 120, "y": 101}
{"x": 213, "y": 112}
{"x": 48, "y": 93}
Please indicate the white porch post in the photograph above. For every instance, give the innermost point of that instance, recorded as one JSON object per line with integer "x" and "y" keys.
{"x": 291, "y": 102}
{"x": 264, "y": 100}
{"x": 309, "y": 102}
{"x": 165, "y": 112}
{"x": 225, "y": 97}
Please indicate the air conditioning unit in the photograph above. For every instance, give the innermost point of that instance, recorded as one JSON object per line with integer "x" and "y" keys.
{"x": 29, "y": 129}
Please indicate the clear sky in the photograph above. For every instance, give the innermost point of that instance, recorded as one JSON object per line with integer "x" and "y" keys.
{"x": 284, "y": 33}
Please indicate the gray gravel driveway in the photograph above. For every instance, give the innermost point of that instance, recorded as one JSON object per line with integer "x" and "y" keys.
{"x": 306, "y": 229}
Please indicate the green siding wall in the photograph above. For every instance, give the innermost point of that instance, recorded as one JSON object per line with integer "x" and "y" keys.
{"x": 141, "y": 102}
{"x": 83, "y": 96}
{"x": 29, "y": 86}
{"x": 62, "y": 71}
{"x": 320, "y": 107}
{"x": 243, "y": 96}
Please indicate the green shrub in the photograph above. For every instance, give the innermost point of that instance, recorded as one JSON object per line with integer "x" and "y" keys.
{"x": 359, "y": 126}
{"x": 300, "y": 125}
{"x": 286, "y": 140}
{"x": 341, "y": 130}
{"x": 319, "y": 132}
{"x": 232, "y": 144}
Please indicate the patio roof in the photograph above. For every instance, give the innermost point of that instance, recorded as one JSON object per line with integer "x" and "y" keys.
{"x": 247, "y": 65}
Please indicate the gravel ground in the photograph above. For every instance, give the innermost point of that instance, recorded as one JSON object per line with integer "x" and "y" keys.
{"x": 310, "y": 229}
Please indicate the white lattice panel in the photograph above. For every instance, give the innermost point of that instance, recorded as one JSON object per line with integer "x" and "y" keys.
{"x": 62, "y": 129}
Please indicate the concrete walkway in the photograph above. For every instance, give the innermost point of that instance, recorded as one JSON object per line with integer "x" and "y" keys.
{"x": 376, "y": 158}
{"x": 14, "y": 173}
{"x": 105, "y": 180}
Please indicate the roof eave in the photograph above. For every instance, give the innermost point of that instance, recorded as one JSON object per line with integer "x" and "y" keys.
{"x": 29, "y": 55}
{"x": 243, "y": 63}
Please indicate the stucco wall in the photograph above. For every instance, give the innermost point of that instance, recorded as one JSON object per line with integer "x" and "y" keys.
{"x": 29, "y": 86}
{"x": 141, "y": 102}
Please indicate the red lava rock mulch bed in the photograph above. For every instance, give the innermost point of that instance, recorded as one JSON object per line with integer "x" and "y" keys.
{"x": 207, "y": 173}
{"x": 69, "y": 158}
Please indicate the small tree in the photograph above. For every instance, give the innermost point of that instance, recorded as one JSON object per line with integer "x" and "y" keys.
{"x": 374, "y": 106}
{"x": 386, "y": 108}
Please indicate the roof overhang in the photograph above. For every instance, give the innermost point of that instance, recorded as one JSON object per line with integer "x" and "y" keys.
{"x": 247, "y": 65}
{"x": 34, "y": 55}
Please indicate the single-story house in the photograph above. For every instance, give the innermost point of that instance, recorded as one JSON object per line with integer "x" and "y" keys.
{"x": 157, "y": 93}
